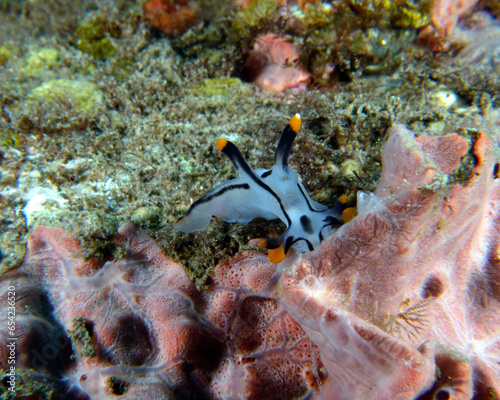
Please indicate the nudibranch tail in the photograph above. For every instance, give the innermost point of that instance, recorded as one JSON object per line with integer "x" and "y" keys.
{"x": 275, "y": 193}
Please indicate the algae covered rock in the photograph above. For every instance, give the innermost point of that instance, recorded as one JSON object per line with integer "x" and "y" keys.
{"x": 91, "y": 37}
{"x": 41, "y": 60}
{"x": 217, "y": 86}
{"x": 84, "y": 96}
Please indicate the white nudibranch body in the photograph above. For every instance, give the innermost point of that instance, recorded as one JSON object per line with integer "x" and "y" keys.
{"x": 267, "y": 193}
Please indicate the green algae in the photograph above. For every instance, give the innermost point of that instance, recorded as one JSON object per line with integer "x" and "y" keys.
{"x": 91, "y": 38}
{"x": 81, "y": 337}
{"x": 147, "y": 217}
{"x": 7, "y": 53}
{"x": 122, "y": 67}
{"x": 10, "y": 138}
{"x": 30, "y": 384}
{"x": 40, "y": 61}
{"x": 384, "y": 13}
{"x": 82, "y": 95}
{"x": 257, "y": 13}
{"x": 358, "y": 36}
{"x": 217, "y": 86}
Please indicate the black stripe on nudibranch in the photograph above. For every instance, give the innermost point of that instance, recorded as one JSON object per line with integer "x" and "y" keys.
{"x": 309, "y": 244}
{"x": 306, "y": 224}
{"x": 290, "y": 241}
{"x": 234, "y": 154}
{"x": 205, "y": 199}
{"x": 285, "y": 146}
{"x": 332, "y": 221}
{"x": 267, "y": 173}
{"x": 265, "y": 187}
{"x": 305, "y": 197}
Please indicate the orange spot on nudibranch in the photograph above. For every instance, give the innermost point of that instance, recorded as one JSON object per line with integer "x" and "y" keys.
{"x": 348, "y": 214}
{"x": 277, "y": 255}
{"x": 343, "y": 199}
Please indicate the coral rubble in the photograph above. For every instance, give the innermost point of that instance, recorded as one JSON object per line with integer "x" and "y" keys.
{"x": 401, "y": 302}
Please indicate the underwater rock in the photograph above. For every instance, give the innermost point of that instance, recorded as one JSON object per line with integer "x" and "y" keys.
{"x": 81, "y": 95}
{"x": 401, "y": 302}
{"x": 41, "y": 61}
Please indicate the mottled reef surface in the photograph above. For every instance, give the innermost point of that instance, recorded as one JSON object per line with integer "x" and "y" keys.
{"x": 109, "y": 110}
{"x": 104, "y": 119}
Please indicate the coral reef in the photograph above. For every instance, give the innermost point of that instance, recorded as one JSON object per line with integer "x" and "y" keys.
{"x": 421, "y": 265}
{"x": 401, "y": 302}
{"x": 104, "y": 119}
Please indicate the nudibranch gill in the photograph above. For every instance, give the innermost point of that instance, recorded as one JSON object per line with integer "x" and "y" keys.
{"x": 267, "y": 193}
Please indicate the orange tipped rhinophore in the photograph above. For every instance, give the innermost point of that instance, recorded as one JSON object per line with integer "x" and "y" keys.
{"x": 295, "y": 123}
{"x": 221, "y": 143}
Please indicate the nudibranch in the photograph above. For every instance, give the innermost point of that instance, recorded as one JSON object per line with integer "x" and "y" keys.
{"x": 270, "y": 194}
